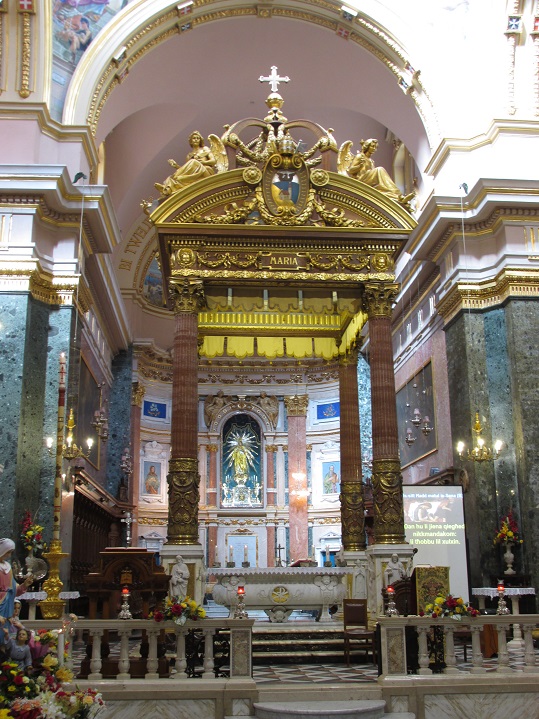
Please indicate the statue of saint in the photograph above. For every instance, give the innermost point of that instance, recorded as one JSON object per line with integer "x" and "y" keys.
{"x": 9, "y": 589}
{"x": 240, "y": 455}
{"x": 394, "y": 571}
{"x": 270, "y": 405}
{"x": 199, "y": 164}
{"x": 179, "y": 579}
{"x": 362, "y": 167}
{"x": 212, "y": 405}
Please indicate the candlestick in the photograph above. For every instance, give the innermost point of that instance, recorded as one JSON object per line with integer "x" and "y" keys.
{"x": 245, "y": 553}
{"x": 231, "y": 553}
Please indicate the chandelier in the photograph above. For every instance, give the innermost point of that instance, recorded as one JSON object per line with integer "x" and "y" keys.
{"x": 480, "y": 452}
{"x": 70, "y": 450}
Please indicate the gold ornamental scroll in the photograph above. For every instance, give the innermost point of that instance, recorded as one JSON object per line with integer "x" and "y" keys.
{"x": 386, "y": 475}
{"x": 183, "y": 500}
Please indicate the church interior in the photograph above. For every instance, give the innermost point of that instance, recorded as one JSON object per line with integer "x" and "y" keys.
{"x": 272, "y": 316}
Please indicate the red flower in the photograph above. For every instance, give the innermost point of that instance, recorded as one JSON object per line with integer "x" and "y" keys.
{"x": 18, "y": 680}
{"x": 158, "y": 616}
{"x": 176, "y": 610}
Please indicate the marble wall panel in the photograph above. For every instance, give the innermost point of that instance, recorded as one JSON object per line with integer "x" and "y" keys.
{"x": 493, "y": 706}
{"x": 13, "y": 318}
{"x": 119, "y": 417}
{"x": 160, "y": 709}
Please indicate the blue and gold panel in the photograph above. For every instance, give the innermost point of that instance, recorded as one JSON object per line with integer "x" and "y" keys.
{"x": 328, "y": 411}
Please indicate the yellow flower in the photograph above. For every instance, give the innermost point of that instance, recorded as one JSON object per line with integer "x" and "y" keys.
{"x": 510, "y": 534}
{"x": 63, "y": 675}
{"x": 49, "y": 661}
{"x": 5, "y": 714}
{"x": 429, "y": 607}
{"x": 87, "y": 699}
{"x": 439, "y": 600}
{"x": 201, "y": 613}
{"x": 460, "y": 601}
{"x": 458, "y": 610}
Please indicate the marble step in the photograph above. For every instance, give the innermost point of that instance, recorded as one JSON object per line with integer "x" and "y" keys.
{"x": 364, "y": 709}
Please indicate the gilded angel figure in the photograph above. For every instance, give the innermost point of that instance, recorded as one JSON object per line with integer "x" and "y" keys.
{"x": 201, "y": 162}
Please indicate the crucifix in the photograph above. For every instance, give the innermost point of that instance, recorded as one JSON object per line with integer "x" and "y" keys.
{"x": 128, "y": 521}
{"x": 274, "y": 79}
{"x": 279, "y": 550}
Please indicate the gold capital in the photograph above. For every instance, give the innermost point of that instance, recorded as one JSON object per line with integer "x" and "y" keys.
{"x": 188, "y": 296}
{"x": 137, "y": 394}
{"x": 271, "y": 448}
{"x": 296, "y": 405}
{"x": 379, "y": 298}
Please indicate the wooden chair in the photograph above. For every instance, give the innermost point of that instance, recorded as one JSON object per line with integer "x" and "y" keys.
{"x": 356, "y": 628}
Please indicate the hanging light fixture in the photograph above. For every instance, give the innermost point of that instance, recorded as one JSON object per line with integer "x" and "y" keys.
{"x": 410, "y": 438}
{"x": 70, "y": 450}
{"x": 480, "y": 452}
{"x": 101, "y": 421}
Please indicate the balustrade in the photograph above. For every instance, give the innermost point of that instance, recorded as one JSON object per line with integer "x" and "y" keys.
{"x": 426, "y": 628}
{"x": 240, "y": 633}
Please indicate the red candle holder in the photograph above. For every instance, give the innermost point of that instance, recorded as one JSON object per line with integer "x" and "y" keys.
{"x": 241, "y": 590}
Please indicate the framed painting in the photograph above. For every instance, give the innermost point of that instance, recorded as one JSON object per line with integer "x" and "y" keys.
{"x": 152, "y": 478}
{"x": 331, "y": 477}
{"x": 415, "y": 407}
{"x": 88, "y": 405}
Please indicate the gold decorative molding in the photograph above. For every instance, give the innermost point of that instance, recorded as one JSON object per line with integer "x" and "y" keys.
{"x": 153, "y": 521}
{"x": 353, "y": 516}
{"x": 26, "y": 30}
{"x": 296, "y": 405}
{"x": 137, "y": 394}
{"x": 387, "y": 502}
{"x": 183, "y": 501}
{"x": 510, "y": 283}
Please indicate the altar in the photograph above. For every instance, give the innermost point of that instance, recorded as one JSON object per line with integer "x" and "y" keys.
{"x": 278, "y": 591}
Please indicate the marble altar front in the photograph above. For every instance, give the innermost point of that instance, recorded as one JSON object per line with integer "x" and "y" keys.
{"x": 278, "y": 591}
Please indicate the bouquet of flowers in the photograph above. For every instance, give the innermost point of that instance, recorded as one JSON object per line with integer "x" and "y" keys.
{"x": 508, "y": 531}
{"x": 179, "y": 611}
{"x": 32, "y": 534}
{"x": 22, "y": 697}
{"x": 454, "y": 607}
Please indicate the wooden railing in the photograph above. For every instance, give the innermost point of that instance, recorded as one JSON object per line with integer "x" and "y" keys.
{"x": 239, "y": 630}
{"x": 396, "y": 637}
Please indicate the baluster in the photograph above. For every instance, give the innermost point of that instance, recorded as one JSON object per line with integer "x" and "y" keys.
{"x": 181, "y": 660}
{"x": 423, "y": 651}
{"x": 450, "y": 658}
{"x": 529, "y": 653}
{"x": 152, "y": 663}
{"x": 123, "y": 663}
{"x": 95, "y": 662}
{"x": 503, "y": 654}
{"x": 477, "y": 657}
{"x": 61, "y": 648}
{"x": 69, "y": 661}
{"x": 208, "y": 654}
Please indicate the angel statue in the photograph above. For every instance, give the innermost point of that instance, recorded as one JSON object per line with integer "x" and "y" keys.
{"x": 201, "y": 162}
{"x": 362, "y": 167}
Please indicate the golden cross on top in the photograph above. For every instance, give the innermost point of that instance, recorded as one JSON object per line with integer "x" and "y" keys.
{"x": 274, "y": 79}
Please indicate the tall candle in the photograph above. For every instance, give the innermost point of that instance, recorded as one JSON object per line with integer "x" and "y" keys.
{"x": 245, "y": 553}
{"x": 231, "y": 553}
{"x": 327, "y": 554}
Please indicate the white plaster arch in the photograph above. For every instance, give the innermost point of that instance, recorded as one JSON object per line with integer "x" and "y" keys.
{"x": 118, "y": 46}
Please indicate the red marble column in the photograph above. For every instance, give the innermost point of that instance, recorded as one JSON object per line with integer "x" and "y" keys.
{"x": 386, "y": 474}
{"x": 212, "y": 489}
{"x": 352, "y": 506}
{"x": 183, "y": 477}
{"x": 296, "y": 408}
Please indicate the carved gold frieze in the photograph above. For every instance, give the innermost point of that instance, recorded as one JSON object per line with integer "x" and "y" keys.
{"x": 388, "y": 504}
{"x": 24, "y": 90}
{"x": 274, "y": 322}
{"x": 153, "y": 521}
{"x": 508, "y": 283}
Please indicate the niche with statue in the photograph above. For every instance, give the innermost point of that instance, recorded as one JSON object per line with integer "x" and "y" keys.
{"x": 241, "y": 470}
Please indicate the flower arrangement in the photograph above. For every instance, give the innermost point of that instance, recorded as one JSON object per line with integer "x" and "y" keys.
{"x": 454, "y": 607}
{"x": 179, "y": 611}
{"x": 508, "y": 531}
{"x": 32, "y": 534}
{"x": 23, "y": 697}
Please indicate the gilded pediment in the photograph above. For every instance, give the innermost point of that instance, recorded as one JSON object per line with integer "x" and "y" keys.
{"x": 277, "y": 173}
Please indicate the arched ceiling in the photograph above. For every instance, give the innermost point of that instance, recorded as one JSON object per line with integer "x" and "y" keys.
{"x": 208, "y": 76}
